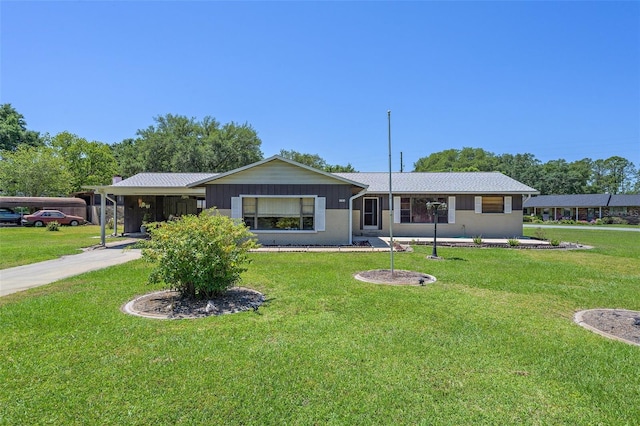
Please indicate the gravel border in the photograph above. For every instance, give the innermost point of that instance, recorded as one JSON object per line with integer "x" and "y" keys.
{"x": 620, "y": 327}
{"x": 401, "y": 277}
{"x": 166, "y": 306}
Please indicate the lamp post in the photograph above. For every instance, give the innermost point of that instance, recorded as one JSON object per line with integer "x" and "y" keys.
{"x": 433, "y": 207}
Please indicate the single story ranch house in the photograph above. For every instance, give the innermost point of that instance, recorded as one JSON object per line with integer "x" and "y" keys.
{"x": 288, "y": 203}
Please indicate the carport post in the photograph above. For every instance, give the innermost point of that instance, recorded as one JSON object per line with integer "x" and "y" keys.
{"x": 103, "y": 215}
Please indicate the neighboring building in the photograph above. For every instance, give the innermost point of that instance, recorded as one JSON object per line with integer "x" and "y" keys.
{"x": 68, "y": 205}
{"x": 585, "y": 207}
{"x": 284, "y": 202}
{"x": 624, "y": 205}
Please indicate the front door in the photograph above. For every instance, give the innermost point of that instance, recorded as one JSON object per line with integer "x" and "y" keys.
{"x": 370, "y": 213}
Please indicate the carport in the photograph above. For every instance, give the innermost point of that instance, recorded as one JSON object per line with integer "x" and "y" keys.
{"x": 67, "y": 205}
{"x": 151, "y": 197}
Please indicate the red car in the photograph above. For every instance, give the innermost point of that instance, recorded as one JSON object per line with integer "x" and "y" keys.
{"x": 42, "y": 217}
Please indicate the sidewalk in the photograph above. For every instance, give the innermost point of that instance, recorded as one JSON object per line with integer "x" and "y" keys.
{"x": 13, "y": 280}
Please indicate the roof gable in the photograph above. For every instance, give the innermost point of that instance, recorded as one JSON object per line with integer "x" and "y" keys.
{"x": 276, "y": 170}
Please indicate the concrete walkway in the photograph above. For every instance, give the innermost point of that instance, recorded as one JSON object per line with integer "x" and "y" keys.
{"x": 13, "y": 280}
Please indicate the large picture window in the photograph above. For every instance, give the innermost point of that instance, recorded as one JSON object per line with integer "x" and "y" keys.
{"x": 414, "y": 210}
{"x": 279, "y": 214}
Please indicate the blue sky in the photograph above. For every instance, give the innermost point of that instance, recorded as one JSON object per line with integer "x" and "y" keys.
{"x": 556, "y": 79}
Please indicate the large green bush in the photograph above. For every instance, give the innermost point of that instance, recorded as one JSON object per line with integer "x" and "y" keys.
{"x": 200, "y": 256}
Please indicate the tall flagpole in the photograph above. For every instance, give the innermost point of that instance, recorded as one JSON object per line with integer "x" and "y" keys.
{"x": 390, "y": 195}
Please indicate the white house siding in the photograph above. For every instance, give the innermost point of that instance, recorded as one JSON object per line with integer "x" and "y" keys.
{"x": 490, "y": 225}
{"x": 468, "y": 223}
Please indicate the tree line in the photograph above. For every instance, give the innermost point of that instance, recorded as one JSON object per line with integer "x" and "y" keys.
{"x": 34, "y": 164}
{"x": 613, "y": 175}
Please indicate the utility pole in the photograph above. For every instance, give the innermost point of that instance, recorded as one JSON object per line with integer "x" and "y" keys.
{"x": 390, "y": 196}
{"x": 401, "y": 163}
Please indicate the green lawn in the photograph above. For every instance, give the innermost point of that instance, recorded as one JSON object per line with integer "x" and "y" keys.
{"x": 22, "y": 245}
{"x": 491, "y": 342}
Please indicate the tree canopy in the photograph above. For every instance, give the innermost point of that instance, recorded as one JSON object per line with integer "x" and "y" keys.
{"x": 34, "y": 172}
{"x": 13, "y": 130}
{"x": 315, "y": 161}
{"x": 614, "y": 175}
{"x": 89, "y": 163}
{"x": 176, "y": 143}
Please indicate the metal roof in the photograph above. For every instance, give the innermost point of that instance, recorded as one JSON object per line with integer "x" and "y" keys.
{"x": 164, "y": 180}
{"x": 441, "y": 182}
{"x": 568, "y": 200}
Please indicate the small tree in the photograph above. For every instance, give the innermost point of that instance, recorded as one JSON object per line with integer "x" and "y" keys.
{"x": 199, "y": 256}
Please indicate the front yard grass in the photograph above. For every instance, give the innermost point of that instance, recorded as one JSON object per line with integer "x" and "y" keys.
{"x": 23, "y": 245}
{"x": 491, "y": 342}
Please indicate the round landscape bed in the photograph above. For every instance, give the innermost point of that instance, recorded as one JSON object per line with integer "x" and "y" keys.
{"x": 618, "y": 324}
{"x": 168, "y": 304}
{"x": 399, "y": 277}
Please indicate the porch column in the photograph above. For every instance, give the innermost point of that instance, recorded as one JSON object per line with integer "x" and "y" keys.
{"x": 103, "y": 215}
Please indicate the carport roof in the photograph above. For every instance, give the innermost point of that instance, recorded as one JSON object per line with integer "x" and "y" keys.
{"x": 157, "y": 180}
{"x": 156, "y": 184}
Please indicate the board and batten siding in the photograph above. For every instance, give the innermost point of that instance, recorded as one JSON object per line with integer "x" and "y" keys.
{"x": 220, "y": 195}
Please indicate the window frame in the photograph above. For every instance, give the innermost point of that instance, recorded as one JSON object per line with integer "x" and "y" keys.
{"x": 304, "y": 216}
{"x": 408, "y": 215}
{"x": 482, "y": 205}
{"x": 490, "y": 204}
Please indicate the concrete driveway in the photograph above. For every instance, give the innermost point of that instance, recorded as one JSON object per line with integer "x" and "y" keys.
{"x": 13, "y": 280}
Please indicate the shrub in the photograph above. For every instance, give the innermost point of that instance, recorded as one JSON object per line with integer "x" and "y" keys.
{"x": 614, "y": 220}
{"x": 513, "y": 242}
{"x": 53, "y": 226}
{"x": 540, "y": 234}
{"x": 527, "y": 219}
{"x": 598, "y": 222}
{"x": 109, "y": 224}
{"x": 477, "y": 239}
{"x": 199, "y": 256}
{"x": 555, "y": 242}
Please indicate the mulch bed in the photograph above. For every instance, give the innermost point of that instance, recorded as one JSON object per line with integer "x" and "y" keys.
{"x": 170, "y": 305}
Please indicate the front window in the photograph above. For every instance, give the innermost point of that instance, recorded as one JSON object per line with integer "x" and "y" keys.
{"x": 492, "y": 204}
{"x": 279, "y": 214}
{"x": 414, "y": 210}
